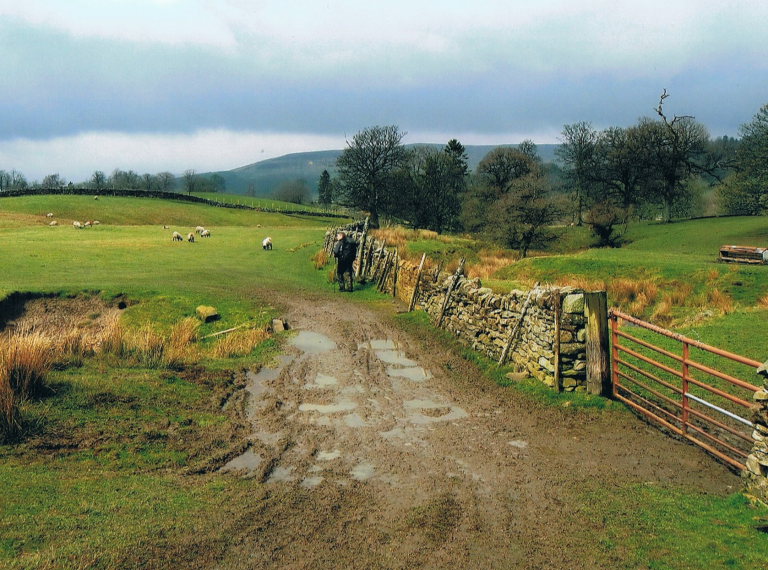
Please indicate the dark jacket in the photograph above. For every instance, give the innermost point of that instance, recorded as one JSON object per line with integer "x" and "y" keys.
{"x": 345, "y": 250}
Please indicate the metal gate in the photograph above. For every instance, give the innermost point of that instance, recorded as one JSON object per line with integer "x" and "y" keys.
{"x": 689, "y": 387}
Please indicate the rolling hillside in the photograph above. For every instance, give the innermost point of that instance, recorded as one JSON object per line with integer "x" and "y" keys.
{"x": 266, "y": 175}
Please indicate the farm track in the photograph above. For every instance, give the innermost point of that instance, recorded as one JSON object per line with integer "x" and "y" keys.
{"x": 381, "y": 450}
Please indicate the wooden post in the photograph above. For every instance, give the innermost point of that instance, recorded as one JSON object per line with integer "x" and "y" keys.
{"x": 369, "y": 259}
{"x": 384, "y": 272}
{"x": 598, "y": 345}
{"x": 557, "y": 308}
{"x": 380, "y": 255}
{"x": 361, "y": 251}
{"x": 412, "y": 304}
{"x": 396, "y": 268}
{"x": 451, "y": 287}
{"x": 516, "y": 328}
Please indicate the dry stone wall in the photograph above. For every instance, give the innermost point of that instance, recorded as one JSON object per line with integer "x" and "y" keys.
{"x": 756, "y": 472}
{"x": 543, "y": 330}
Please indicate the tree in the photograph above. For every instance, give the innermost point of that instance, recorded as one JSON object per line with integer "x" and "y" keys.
{"x": 124, "y": 180}
{"x": 165, "y": 181}
{"x": 746, "y": 192}
{"x": 577, "y": 152}
{"x": 147, "y": 182}
{"x": 295, "y": 191}
{"x": 325, "y": 189}
{"x": 98, "y": 180}
{"x": 12, "y": 180}
{"x": 501, "y": 166}
{"x": 367, "y": 167}
{"x": 190, "y": 181}
{"x": 53, "y": 181}
{"x": 522, "y": 216}
{"x": 677, "y": 148}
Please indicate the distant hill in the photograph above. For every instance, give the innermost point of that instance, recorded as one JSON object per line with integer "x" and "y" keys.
{"x": 266, "y": 175}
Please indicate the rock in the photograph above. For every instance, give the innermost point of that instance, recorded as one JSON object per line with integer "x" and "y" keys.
{"x": 761, "y": 396}
{"x": 279, "y": 325}
{"x": 574, "y": 303}
{"x": 518, "y": 376}
{"x": 207, "y": 314}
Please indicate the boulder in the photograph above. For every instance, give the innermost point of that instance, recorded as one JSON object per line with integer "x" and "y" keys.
{"x": 207, "y": 314}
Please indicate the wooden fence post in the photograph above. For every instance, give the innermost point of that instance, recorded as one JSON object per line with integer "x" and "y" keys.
{"x": 598, "y": 345}
{"x": 518, "y": 325}
{"x": 412, "y": 304}
{"x": 361, "y": 251}
{"x": 451, "y": 287}
{"x": 396, "y": 268}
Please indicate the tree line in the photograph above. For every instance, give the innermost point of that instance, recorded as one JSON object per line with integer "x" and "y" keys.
{"x": 119, "y": 179}
{"x": 663, "y": 168}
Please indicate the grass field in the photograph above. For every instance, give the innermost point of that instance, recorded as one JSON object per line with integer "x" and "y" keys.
{"x": 103, "y": 476}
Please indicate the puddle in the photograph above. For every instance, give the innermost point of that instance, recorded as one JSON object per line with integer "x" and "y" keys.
{"x": 362, "y": 472}
{"x": 395, "y": 357}
{"x": 280, "y": 475}
{"x": 519, "y": 443}
{"x": 322, "y": 381}
{"x": 248, "y": 462}
{"x": 414, "y": 373}
{"x": 312, "y": 342}
{"x": 268, "y": 438}
{"x": 328, "y": 408}
{"x": 256, "y": 382}
{"x": 423, "y": 412}
{"x": 387, "y": 344}
{"x": 354, "y": 421}
{"x": 310, "y": 482}
{"x": 328, "y": 455}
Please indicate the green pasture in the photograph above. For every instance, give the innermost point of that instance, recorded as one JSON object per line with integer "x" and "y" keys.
{"x": 266, "y": 203}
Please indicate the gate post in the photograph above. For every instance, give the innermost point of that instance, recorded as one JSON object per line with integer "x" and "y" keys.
{"x": 598, "y": 343}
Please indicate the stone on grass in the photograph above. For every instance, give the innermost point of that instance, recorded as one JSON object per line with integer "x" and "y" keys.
{"x": 207, "y": 314}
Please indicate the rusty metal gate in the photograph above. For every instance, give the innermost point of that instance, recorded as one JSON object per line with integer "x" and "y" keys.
{"x": 693, "y": 389}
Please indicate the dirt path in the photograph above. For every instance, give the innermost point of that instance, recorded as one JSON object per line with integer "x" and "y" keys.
{"x": 385, "y": 451}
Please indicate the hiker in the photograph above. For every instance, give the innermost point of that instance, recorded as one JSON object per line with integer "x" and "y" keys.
{"x": 344, "y": 250}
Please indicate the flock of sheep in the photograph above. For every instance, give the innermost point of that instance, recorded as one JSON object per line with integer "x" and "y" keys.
{"x": 175, "y": 236}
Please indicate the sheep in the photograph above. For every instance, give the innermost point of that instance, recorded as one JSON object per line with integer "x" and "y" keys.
{"x": 177, "y": 237}
{"x": 88, "y": 224}
{"x": 166, "y": 227}
{"x": 49, "y": 215}
{"x": 199, "y": 229}
{"x": 191, "y": 237}
{"x": 96, "y": 222}
{"x": 267, "y": 243}
{"x": 54, "y": 223}
{"x": 205, "y": 233}
{"x": 77, "y": 225}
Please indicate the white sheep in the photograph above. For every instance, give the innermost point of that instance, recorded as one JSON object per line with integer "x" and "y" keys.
{"x": 267, "y": 243}
{"x": 96, "y": 222}
{"x": 191, "y": 237}
{"x": 166, "y": 227}
{"x": 77, "y": 225}
{"x": 176, "y": 236}
{"x": 49, "y": 215}
{"x": 54, "y": 223}
{"x": 199, "y": 229}
{"x": 88, "y": 224}
{"x": 205, "y": 233}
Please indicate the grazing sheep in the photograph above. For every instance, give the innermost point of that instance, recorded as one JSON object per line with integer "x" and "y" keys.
{"x": 77, "y": 225}
{"x": 267, "y": 243}
{"x": 199, "y": 229}
{"x": 49, "y": 215}
{"x": 205, "y": 233}
{"x": 177, "y": 237}
{"x": 96, "y": 222}
{"x": 166, "y": 227}
{"x": 88, "y": 224}
{"x": 54, "y": 223}
{"x": 191, "y": 237}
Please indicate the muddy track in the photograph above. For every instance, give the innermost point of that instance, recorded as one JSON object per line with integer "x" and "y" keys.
{"x": 381, "y": 450}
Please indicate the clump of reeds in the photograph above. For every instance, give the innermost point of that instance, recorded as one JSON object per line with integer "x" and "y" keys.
{"x": 239, "y": 343}
{"x": 71, "y": 349}
{"x": 633, "y": 295}
{"x": 320, "y": 259}
{"x": 395, "y": 236}
{"x": 762, "y": 302}
{"x": 26, "y": 359}
{"x": 9, "y": 410}
{"x": 662, "y": 312}
{"x": 146, "y": 346}
{"x": 113, "y": 338}
{"x": 582, "y": 282}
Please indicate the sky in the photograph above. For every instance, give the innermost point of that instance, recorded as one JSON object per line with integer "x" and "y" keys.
{"x": 171, "y": 85}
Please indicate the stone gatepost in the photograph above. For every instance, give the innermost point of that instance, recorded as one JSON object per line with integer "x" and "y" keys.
{"x": 756, "y": 473}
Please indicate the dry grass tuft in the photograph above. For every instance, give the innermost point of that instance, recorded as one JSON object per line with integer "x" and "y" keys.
{"x": 762, "y": 302}
{"x": 320, "y": 259}
{"x": 720, "y": 301}
{"x": 635, "y": 296}
{"x": 146, "y": 346}
{"x": 113, "y": 338}
{"x": 239, "y": 343}
{"x": 9, "y": 411}
{"x": 395, "y": 237}
{"x": 185, "y": 332}
{"x": 581, "y": 282}
{"x": 662, "y": 312}
{"x": 490, "y": 262}
{"x": 679, "y": 293}
{"x": 26, "y": 359}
